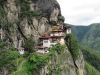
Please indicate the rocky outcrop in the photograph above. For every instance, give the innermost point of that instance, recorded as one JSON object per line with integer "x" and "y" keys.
{"x": 30, "y": 18}
{"x": 80, "y": 64}
{"x": 63, "y": 64}
{"x": 26, "y": 19}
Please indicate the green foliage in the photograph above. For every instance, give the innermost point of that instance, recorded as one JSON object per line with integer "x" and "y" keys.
{"x": 80, "y": 31}
{"x": 73, "y": 46}
{"x": 88, "y": 35}
{"x": 4, "y": 24}
{"x": 37, "y": 61}
{"x": 8, "y": 59}
{"x": 92, "y": 37}
{"x": 53, "y": 51}
{"x": 2, "y": 14}
{"x": 93, "y": 57}
{"x": 29, "y": 14}
{"x": 25, "y": 9}
{"x": 34, "y": 63}
{"x": 90, "y": 70}
{"x": 2, "y": 45}
{"x": 57, "y": 48}
{"x": 56, "y": 70}
{"x": 2, "y": 2}
{"x": 89, "y": 39}
{"x": 24, "y": 4}
{"x": 22, "y": 69}
{"x": 29, "y": 45}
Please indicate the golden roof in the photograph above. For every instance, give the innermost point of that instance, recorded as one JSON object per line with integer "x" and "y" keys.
{"x": 56, "y": 28}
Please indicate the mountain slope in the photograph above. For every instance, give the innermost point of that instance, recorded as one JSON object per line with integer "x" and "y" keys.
{"x": 80, "y": 31}
{"x": 92, "y": 57}
{"x": 88, "y": 35}
{"x": 89, "y": 39}
{"x": 91, "y": 70}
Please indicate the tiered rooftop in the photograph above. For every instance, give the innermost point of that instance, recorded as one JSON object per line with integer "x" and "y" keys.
{"x": 56, "y": 35}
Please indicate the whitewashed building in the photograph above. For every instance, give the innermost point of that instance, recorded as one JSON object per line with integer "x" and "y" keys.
{"x": 56, "y": 35}
{"x": 21, "y": 51}
{"x": 68, "y": 31}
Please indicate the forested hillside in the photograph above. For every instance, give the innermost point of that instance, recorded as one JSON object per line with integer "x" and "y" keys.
{"x": 88, "y": 35}
{"x": 89, "y": 39}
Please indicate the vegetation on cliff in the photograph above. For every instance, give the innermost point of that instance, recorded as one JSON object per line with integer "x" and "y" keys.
{"x": 8, "y": 61}
{"x": 15, "y": 64}
{"x": 92, "y": 57}
{"x": 16, "y": 19}
{"x": 34, "y": 62}
{"x": 73, "y": 45}
{"x": 89, "y": 39}
{"x": 90, "y": 70}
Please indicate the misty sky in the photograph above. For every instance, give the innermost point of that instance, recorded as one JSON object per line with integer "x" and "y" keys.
{"x": 80, "y": 12}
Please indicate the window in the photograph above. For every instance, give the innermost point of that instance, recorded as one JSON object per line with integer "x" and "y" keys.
{"x": 45, "y": 41}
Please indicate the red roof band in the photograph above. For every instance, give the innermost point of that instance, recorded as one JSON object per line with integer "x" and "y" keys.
{"x": 48, "y": 37}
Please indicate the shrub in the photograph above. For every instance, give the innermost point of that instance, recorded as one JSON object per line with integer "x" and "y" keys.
{"x": 73, "y": 46}
{"x": 8, "y": 59}
{"x": 29, "y": 45}
{"x": 37, "y": 61}
{"x": 3, "y": 18}
{"x": 29, "y": 14}
{"x": 2, "y": 44}
{"x": 57, "y": 48}
{"x": 25, "y": 9}
{"x": 34, "y": 63}
{"x": 93, "y": 57}
{"x": 90, "y": 70}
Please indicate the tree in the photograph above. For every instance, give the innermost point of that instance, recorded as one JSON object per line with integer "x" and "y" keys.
{"x": 73, "y": 46}
{"x": 29, "y": 45}
{"x": 8, "y": 60}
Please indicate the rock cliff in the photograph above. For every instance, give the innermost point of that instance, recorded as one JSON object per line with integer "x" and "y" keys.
{"x": 24, "y": 19}
{"x": 63, "y": 64}
{"x": 28, "y": 18}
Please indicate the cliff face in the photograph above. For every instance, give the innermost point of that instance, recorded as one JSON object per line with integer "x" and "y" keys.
{"x": 28, "y": 18}
{"x": 22, "y": 19}
{"x": 63, "y": 64}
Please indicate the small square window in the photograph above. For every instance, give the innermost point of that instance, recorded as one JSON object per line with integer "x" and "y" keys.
{"x": 45, "y": 41}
